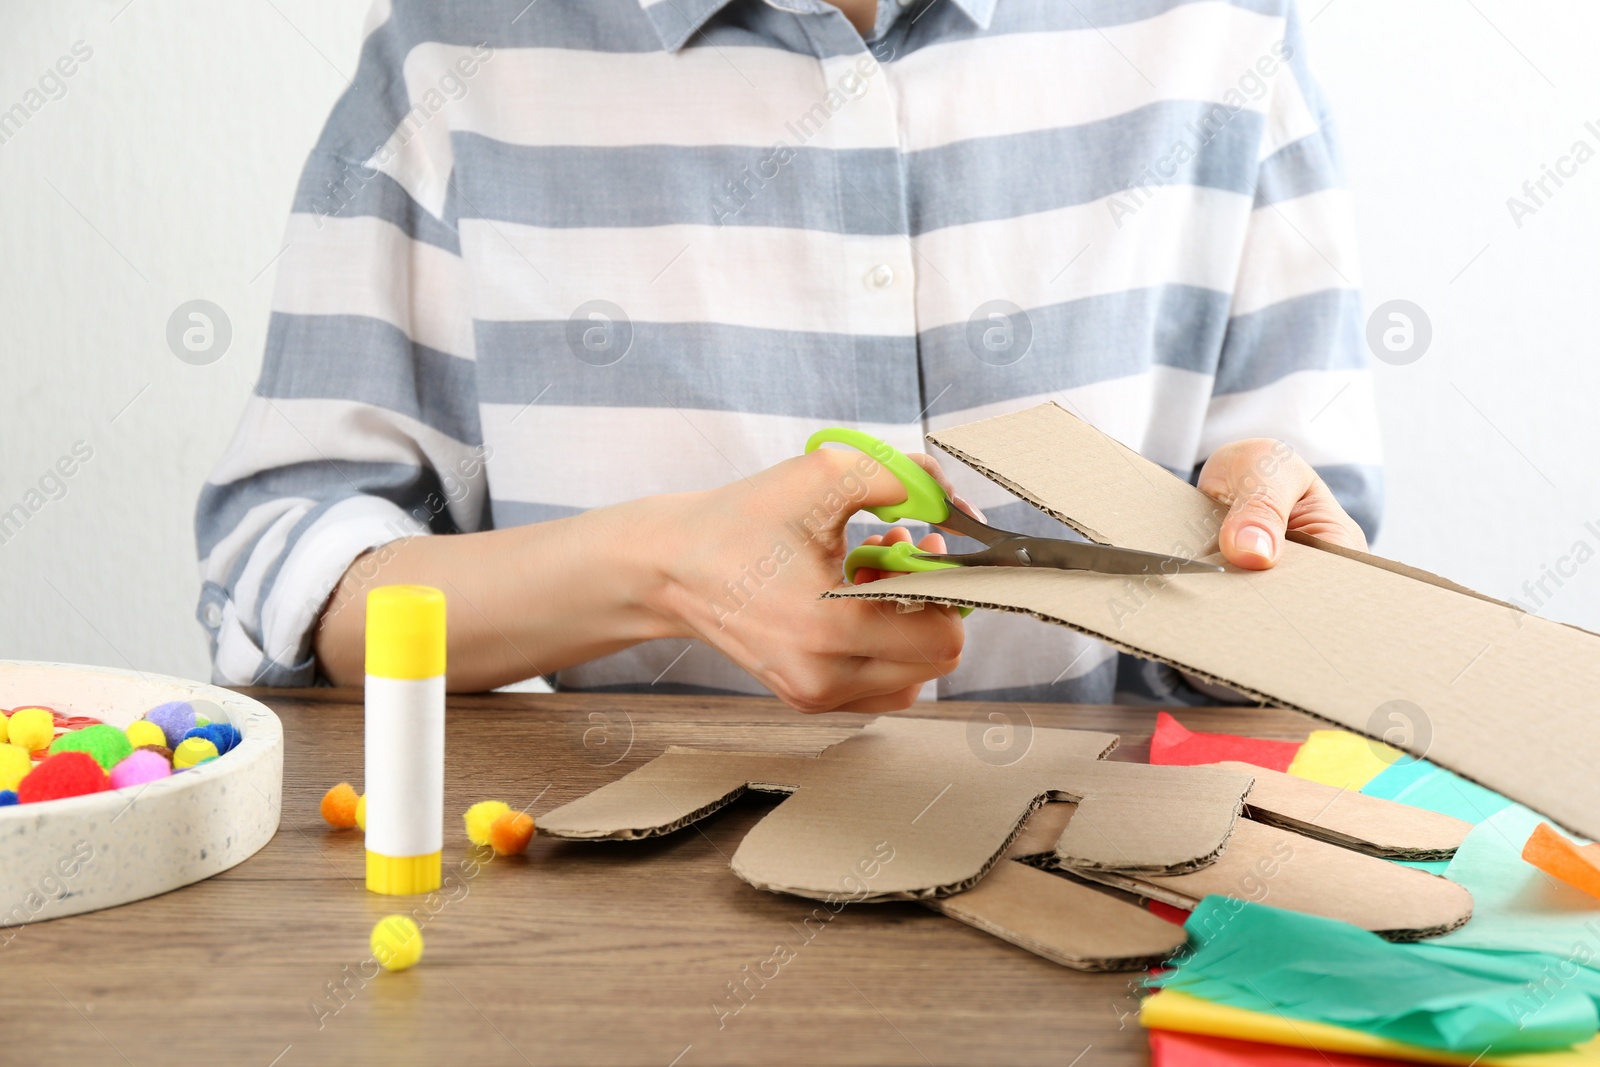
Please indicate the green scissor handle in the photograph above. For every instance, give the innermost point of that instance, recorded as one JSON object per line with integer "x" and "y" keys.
{"x": 925, "y": 500}
{"x": 896, "y": 557}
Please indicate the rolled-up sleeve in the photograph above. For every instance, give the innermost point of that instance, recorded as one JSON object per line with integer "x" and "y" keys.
{"x": 363, "y": 428}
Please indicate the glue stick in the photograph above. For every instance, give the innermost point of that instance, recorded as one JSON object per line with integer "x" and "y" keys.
{"x": 405, "y": 739}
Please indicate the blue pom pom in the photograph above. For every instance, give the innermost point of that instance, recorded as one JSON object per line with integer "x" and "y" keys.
{"x": 227, "y": 736}
{"x": 7, "y": 797}
{"x": 224, "y": 735}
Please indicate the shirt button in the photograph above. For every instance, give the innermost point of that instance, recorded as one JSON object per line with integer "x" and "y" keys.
{"x": 213, "y": 615}
{"x": 881, "y": 276}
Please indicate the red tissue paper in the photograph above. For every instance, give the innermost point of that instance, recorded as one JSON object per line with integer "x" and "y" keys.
{"x": 1173, "y": 745}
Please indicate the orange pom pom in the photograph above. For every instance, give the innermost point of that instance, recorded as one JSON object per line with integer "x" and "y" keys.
{"x": 510, "y": 833}
{"x": 339, "y": 806}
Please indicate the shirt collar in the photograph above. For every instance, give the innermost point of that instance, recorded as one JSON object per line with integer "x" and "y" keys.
{"x": 676, "y": 21}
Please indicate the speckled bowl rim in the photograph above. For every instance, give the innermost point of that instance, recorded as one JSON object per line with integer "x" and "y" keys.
{"x": 261, "y": 730}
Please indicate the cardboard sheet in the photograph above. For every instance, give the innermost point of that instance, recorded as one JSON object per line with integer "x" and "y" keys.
{"x": 1264, "y": 863}
{"x": 1266, "y": 959}
{"x": 1174, "y": 745}
{"x": 915, "y": 791}
{"x": 1555, "y": 855}
{"x": 1172, "y": 1010}
{"x": 1342, "y": 759}
{"x": 1367, "y": 824}
{"x": 1506, "y": 696}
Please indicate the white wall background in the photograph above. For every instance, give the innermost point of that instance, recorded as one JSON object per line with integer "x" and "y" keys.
{"x": 165, "y": 172}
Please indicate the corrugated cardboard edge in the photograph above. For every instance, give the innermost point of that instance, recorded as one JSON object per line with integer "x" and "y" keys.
{"x": 551, "y": 828}
{"x": 1057, "y": 937}
{"x": 1344, "y": 827}
{"x": 906, "y": 598}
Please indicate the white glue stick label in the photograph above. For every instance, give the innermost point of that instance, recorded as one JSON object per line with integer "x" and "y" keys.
{"x": 404, "y": 775}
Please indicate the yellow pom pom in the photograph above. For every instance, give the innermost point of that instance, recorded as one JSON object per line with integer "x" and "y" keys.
{"x": 361, "y": 813}
{"x": 193, "y": 750}
{"x": 481, "y": 816}
{"x": 5, "y": 733}
{"x": 32, "y": 728}
{"x": 396, "y": 942}
{"x": 142, "y": 732}
{"x": 15, "y": 764}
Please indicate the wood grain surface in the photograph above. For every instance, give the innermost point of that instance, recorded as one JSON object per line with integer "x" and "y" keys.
{"x": 578, "y": 953}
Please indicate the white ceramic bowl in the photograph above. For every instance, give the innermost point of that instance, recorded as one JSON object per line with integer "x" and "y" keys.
{"x": 63, "y": 857}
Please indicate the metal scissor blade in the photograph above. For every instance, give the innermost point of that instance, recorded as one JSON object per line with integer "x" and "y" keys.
{"x": 1073, "y": 556}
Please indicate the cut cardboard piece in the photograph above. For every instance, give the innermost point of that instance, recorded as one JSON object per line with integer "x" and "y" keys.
{"x": 1062, "y": 920}
{"x": 917, "y": 790}
{"x": 1505, "y": 697}
{"x": 1286, "y": 870}
{"x": 1366, "y": 824}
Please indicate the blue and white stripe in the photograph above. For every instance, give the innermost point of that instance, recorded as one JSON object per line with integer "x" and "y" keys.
{"x": 799, "y": 227}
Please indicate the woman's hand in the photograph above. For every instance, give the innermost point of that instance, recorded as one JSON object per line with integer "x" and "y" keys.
{"x": 1269, "y": 490}
{"x": 747, "y": 564}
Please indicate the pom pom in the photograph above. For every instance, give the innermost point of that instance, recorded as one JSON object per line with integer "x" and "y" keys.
{"x": 8, "y": 797}
{"x": 161, "y": 750}
{"x": 140, "y": 767}
{"x": 396, "y": 942}
{"x": 15, "y": 763}
{"x": 66, "y": 774}
{"x": 176, "y": 718}
{"x": 143, "y": 733}
{"x": 5, "y": 729}
{"x": 194, "y": 750}
{"x": 339, "y": 806}
{"x": 201, "y": 720}
{"x": 361, "y": 813}
{"x": 481, "y": 816}
{"x": 32, "y": 728}
{"x": 510, "y": 833}
{"x": 108, "y": 745}
{"x": 223, "y": 735}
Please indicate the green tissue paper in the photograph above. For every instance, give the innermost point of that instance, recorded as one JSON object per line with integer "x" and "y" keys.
{"x": 1303, "y": 966}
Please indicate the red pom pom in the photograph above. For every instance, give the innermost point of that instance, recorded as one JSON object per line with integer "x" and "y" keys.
{"x": 66, "y": 774}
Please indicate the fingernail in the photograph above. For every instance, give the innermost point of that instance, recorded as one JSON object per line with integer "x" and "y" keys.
{"x": 1255, "y": 540}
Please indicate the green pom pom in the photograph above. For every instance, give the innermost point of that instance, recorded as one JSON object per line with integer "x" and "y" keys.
{"x": 108, "y": 745}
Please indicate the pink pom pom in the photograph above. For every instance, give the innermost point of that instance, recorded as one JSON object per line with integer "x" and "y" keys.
{"x": 140, "y": 767}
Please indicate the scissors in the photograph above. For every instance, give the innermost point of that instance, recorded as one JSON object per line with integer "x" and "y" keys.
{"x": 926, "y": 502}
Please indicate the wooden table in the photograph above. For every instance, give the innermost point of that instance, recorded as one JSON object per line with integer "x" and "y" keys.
{"x": 578, "y": 953}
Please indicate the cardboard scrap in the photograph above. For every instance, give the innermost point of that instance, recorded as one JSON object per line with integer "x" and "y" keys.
{"x": 1267, "y": 864}
{"x": 1555, "y": 855}
{"x": 1342, "y": 759}
{"x": 915, "y": 790}
{"x": 1505, "y": 695}
{"x": 1176, "y": 1011}
{"x": 1065, "y": 921}
{"x": 1366, "y": 824}
{"x": 1174, "y": 745}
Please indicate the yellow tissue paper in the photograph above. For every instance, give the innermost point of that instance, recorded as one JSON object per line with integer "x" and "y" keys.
{"x": 1172, "y": 1010}
{"x": 1342, "y": 759}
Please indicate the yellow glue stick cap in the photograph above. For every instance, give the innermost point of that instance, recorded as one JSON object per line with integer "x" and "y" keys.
{"x": 405, "y": 631}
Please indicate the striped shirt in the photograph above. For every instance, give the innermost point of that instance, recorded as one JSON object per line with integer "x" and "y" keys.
{"x": 551, "y": 256}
